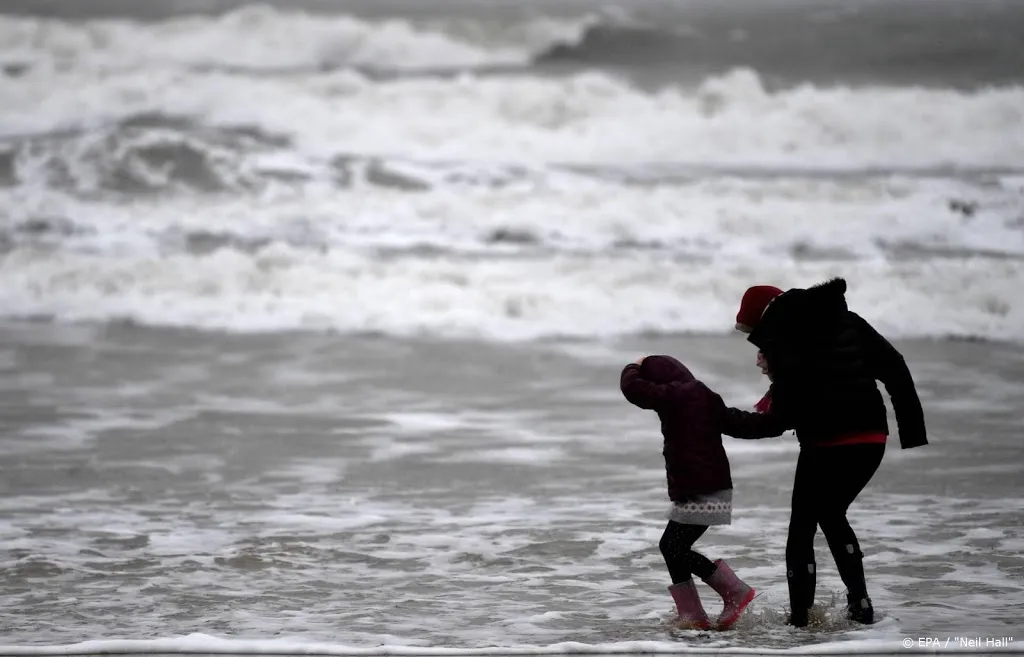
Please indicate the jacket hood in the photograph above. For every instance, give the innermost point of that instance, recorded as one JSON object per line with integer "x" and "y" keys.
{"x": 802, "y": 312}
{"x": 664, "y": 369}
{"x": 827, "y": 299}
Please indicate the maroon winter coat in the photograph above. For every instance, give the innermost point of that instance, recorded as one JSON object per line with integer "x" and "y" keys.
{"x": 693, "y": 419}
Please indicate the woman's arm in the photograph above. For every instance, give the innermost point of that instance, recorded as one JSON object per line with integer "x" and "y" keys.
{"x": 891, "y": 369}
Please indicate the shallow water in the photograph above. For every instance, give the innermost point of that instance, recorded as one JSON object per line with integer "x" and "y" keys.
{"x": 368, "y": 491}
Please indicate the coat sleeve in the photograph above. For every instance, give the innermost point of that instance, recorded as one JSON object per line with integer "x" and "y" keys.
{"x": 751, "y": 426}
{"x": 891, "y": 369}
{"x": 652, "y": 396}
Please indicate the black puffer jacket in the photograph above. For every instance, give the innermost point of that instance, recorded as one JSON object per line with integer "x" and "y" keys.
{"x": 825, "y": 360}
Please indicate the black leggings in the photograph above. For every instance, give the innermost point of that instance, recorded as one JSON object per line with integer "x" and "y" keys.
{"x": 677, "y": 547}
{"x": 828, "y": 480}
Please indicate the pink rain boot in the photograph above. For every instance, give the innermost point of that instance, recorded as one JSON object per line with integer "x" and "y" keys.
{"x": 691, "y": 611}
{"x": 735, "y": 594}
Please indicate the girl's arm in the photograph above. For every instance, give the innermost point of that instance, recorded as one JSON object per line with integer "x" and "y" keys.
{"x": 652, "y": 396}
{"x": 751, "y": 426}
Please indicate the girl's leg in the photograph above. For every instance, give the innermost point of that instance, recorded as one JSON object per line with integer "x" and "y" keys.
{"x": 683, "y": 562}
{"x": 700, "y": 565}
{"x": 675, "y": 547}
{"x": 676, "y": 543}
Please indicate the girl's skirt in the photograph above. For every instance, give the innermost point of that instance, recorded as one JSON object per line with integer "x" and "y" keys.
{"x": 708, "y": 509}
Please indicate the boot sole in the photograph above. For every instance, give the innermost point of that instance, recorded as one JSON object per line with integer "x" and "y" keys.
{"x": 726, "y": 623}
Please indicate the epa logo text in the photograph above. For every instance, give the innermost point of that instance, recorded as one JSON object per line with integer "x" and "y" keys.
{"x": 958, "y": 642}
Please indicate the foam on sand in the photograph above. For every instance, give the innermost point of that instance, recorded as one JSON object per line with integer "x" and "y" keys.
{"x": 204, "y": 644}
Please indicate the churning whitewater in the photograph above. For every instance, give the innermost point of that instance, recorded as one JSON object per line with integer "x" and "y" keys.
{"x": 152, "y": 174}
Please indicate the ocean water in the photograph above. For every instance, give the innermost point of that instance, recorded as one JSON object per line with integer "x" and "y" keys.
{"x": 311, "y": 314}
{"x": 172, "y": 490}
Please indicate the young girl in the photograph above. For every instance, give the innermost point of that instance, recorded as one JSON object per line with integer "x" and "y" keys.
{"x": 693, "y": 419}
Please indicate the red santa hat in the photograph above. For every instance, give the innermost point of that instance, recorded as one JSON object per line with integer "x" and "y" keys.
{"x": 755, "y": 301}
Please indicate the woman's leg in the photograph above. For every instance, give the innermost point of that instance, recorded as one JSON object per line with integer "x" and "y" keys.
{"x": 851, "y": 468}
{"x": 676, "y": 547}
{"x": 803, "y": 524}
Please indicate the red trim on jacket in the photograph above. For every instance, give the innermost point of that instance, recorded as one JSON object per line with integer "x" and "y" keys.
{"x": 764, "y": 405}
{"x": 873, "y": 438}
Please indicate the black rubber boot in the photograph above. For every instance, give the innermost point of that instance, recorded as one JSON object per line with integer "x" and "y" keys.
{"x": 859, "y": 609}
{"x": 802, "y": 580}
{"x": 798, "y": 617}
